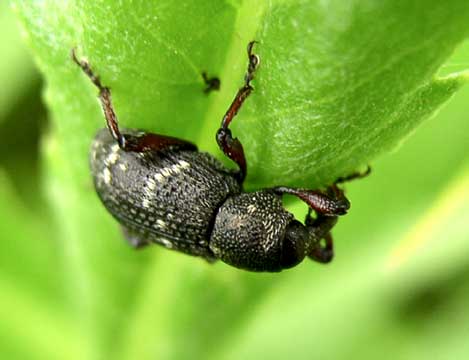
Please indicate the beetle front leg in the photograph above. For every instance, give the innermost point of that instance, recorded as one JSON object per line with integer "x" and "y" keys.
{"x": 328, "y": 206}
{"x": 319, "y": 229}
{"x": 332, "y": 203}
{"x": 230, "y": 146}
{"x": 323, "y": 254}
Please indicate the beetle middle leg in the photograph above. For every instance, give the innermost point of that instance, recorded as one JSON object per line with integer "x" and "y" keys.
{"x": 127, "y": 142}
{"x": 230, "y": 146}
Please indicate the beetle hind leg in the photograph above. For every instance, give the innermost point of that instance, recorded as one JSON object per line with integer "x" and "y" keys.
{"x": 128, "y": 142}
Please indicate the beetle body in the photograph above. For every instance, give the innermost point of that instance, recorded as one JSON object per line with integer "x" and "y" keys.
{"x": 162, "y": 190}
{"x": 147, "y": 193}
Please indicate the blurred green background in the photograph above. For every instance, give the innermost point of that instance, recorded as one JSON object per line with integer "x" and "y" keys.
{"x": 70, "y": 288}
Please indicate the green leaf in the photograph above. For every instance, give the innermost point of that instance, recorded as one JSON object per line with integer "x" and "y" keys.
{"x": 31, "y": 286}
{"x": 339, "y": 83}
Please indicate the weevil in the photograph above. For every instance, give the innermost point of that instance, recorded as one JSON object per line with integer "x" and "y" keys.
{"x": 162, "y": 190}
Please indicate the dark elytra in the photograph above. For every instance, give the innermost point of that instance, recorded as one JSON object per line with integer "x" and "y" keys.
{"x": 162, "y": 190}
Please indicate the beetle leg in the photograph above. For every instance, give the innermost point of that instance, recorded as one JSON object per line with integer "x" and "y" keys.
{"x": 353, "y": 176}
{"x": 320, "y": 228}
{"x": 323, "y": 254}
{"x": 332, "y": 203}
{"x": 230, "y": 146}
{"x": 212, "y": 83}
{"x": 105, "y": 98}
{"x": 328, "y": 206}
{"x": 127, "y": 142}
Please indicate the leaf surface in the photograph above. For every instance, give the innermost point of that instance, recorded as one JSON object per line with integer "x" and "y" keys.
{"x": 339, "y": 84}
